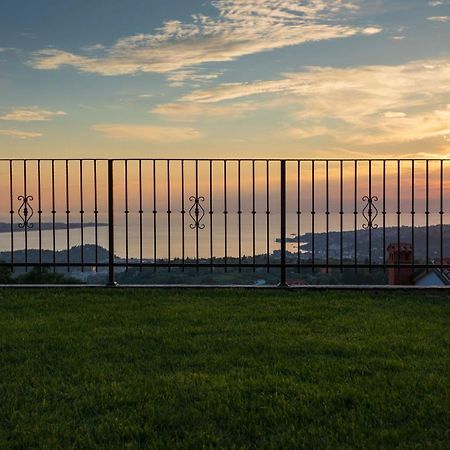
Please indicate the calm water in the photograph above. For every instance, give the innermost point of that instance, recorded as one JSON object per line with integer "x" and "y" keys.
{"x": 262, "y": 243}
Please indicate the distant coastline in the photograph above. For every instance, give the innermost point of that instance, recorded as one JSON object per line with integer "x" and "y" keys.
{"x": 5, "y": 227}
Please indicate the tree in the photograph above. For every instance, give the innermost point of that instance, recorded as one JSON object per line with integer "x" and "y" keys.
{"x": 6, "y": 275}
{"x": 44, "y": 276}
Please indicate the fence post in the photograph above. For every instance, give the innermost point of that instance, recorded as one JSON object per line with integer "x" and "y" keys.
{"x": 111, "y": 277}
{"x": 283, "y": 282}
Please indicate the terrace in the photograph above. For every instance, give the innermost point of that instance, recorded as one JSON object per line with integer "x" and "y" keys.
{"x": 231, "y": 369}
{"x": 126, "y": 367}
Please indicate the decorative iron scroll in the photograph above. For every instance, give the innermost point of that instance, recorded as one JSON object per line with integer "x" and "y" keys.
{"x": 370, "y": 212}
{"x": 25, "y": 211}
{"x": 197, "y": 212}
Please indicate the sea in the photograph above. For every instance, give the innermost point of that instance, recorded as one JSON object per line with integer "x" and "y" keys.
{"x": 222, "y": 233}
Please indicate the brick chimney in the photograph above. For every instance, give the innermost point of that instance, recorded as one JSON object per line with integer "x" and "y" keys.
{"x": 400, "y": 254}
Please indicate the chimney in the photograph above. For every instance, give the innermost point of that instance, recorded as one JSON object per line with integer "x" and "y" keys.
{"x": 400, "y": 254}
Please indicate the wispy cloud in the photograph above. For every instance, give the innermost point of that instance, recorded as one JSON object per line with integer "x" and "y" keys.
{"x": 8, "y": 49}
{"x": 399, "y": 34}
{"x": 185, "y": 111}
{"x": 372, "y": 88}
{"x": 435, "y": 3}
{"x": 147, "y": 133}
{"x": 240, "y": 28}
{"x": 427, "y": 125}
{"x": 399, "y": 103}
{"x": 31, "y": 114}
{"x": 179, "y": 77}
{"x": 394, "y": 115}
{"x": 307, "y": 132}
{"x": 442, "y": 19}
{"x": 20, "y": 134}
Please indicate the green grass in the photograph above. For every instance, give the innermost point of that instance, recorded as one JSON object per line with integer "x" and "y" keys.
{"x": 196, "y": 369}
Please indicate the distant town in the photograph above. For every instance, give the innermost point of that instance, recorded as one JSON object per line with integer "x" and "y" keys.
{"x": 326, "y": 249}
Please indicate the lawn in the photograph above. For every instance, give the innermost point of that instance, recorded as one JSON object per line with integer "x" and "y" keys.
{"x": 193, "y": 369}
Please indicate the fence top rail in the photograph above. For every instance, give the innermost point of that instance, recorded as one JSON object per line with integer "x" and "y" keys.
{"x": 233, "y": 159}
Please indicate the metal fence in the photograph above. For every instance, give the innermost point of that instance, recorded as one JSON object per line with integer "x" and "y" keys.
{"x": 239, "y": 215}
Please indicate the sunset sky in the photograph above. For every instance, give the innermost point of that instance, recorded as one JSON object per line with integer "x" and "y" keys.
{"x": 225, "y": 78}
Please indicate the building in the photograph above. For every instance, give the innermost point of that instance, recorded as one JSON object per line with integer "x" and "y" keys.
{"x": 400, "y": 254}
{"x": 434, "y": 277}
{"x": 406, "y": 276}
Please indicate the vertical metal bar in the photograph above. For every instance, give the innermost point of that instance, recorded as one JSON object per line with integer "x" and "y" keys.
{"x": 127, "y": 212}
{"x": 283, "y": 282}
{"x": 327, "y": 213}
{"x": 355, "y": 215}
{"x": 239, "y": 217}
{"x": 427, "y": 213}
{"x": 81, "y": 215}
{"x": 111, "y": 277}
{"x": 441, "y": 214}
{"x": 141, "y": 212}
{"x": 39, "y": 212}
{"x": 155, "y": 223}
{"x": 398, "y": 213}
{"x": 211, "y": 212}
{"x": 413, "y": 212}
{"x": 253, "y": 216}
{"x": 95, "y": 214}
{"x": 313, "y": 215}
{"x": 341, "y": 213}
{"x": 299, "y": 212}
{"x": 183, "y": 214}
{"x": 384, "y": 215}
{"x": 25, "y": 194}
{"x": 225, "y": 212}
{"x": 169, "y": 212}
{"x": 197, "y": 257}
{"x": 268, "y": 215}
{"x": 11, "y": 211}
{"x": 370, "y": 216}
{"x": 53, "y": 216}
{"x": 67, "y": 217}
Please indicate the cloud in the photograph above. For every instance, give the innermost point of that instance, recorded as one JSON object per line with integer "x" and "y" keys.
{"x": 442, "y": 19}
{"x": 230, "y": 91}
{"x": 185, "y": 111}
{"x": 434, "y": 124}
{"x": 308, "y": 132}
{"x": 147, "y": 133}
{"x": 394, "y": 115}
{"x": 241, "y": 27}
{"x": 92, "y": 48}
{"x": 326, "y": 90}
{"x": 20, "y": 134}
{"x": 400, "y": 33}
{"x": 31, "y": 114}
{"x": 179, "y": 77}
{"x": 398, "y": 103}
{"x": 384, "y": 130}
{"x": 372, "y": 30}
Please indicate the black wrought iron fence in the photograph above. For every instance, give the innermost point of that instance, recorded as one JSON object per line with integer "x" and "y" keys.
{"x": 288, "y": 216}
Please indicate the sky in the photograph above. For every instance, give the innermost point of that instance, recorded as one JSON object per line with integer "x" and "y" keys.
{"x": 225, "y": 78}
